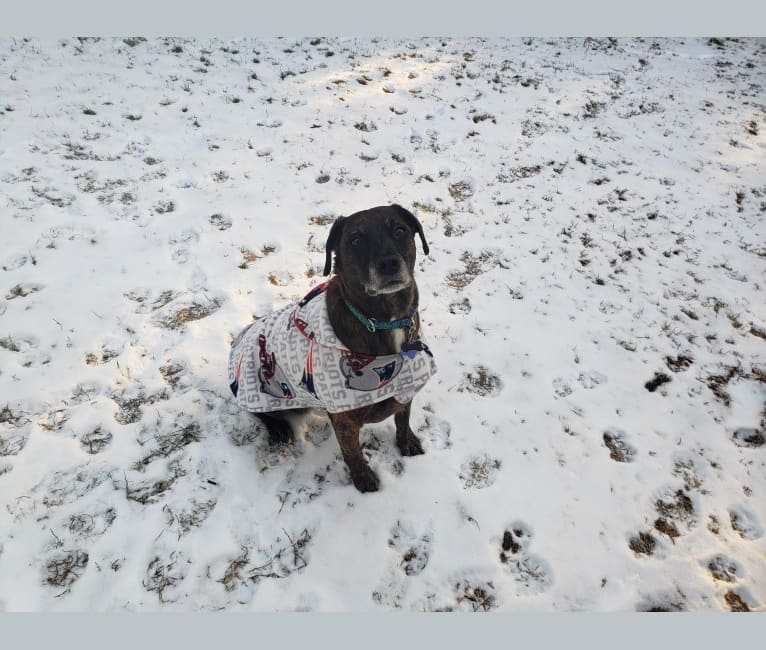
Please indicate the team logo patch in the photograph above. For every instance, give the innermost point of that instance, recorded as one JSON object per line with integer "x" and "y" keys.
{"x": 364, "y": 372}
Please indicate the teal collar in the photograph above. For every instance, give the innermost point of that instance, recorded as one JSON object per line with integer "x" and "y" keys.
{"x": 373, "y": 325}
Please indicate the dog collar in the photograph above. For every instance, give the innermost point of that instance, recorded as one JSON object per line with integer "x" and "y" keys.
{"x": 373, "y": 325}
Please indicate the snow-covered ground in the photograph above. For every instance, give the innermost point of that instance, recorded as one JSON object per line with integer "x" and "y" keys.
{"x": 595, "y": 210}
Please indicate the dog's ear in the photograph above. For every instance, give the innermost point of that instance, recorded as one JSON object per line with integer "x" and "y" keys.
{"x": 333, "y": 241}
{"x": 413, "y": 222}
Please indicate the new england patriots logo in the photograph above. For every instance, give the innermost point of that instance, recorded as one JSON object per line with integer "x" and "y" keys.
{"x": 386, "y": 373}
{"x": 363, "y": 372}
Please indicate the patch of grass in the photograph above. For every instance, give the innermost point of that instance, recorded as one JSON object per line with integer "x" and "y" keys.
{"x": 758, "y": 331}
{"x": 171, "y": 372}
{"x": 51, "y": 197}
{"x": 163, "y": 207}
{"x": 744, "y": 437}
{"x": 322, "y": 219}
{"x": 735, "y": 602}
{"x": 194, "y": 517}
{"x": 667, "y": 528}
{"x": 717, "y": 383}
{"x": 481, "y": 381}
{"x": 678, "y": 507}
{"x": 130, "y": 409}
{"x": 220, "y": 221}
{"x": 619, "y": 450}
{"x": 685, "y": 471}
{"x": 366, "y": 127}
{"x": 7, "y": 343}
{"x": 592, "y": 109}
{"x": 64, "y": 569}
{"x": 679, "y": 363}
{"x": 12, "y": 444}
{"x": 168, "y": 443}
{"x": 153, "y": 491}
{"x": 479, "y": 472}
{"x": 8, "y": 417}
{"x": 248, "y": 257}
{"x": 643, "y": 544}
{"x": 232, "y": 577}
{"x": 193, "y": 312}
{"x": 161, "y": 574}
{"x": 474, "y": 266}
{"x": 481, "y": 117}
{"x": 461, "y": 191}
{"x": 96, "y": 440}
{"x": 518, "y": 173}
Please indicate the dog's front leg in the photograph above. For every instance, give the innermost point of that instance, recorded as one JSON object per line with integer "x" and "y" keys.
{"x": 406, "y": 440}
{"x": 347, "y": 433}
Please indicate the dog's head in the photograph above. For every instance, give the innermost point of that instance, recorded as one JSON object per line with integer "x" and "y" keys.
{"x": 375, "y": 249}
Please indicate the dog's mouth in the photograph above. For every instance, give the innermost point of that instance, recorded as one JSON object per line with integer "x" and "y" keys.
{"x": 376, "y": 287}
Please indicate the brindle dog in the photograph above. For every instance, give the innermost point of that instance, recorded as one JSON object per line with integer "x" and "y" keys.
{"x": 374, "y": 271}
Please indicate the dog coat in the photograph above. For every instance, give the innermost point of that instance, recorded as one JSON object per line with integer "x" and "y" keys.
{"x": 292, "y": 359}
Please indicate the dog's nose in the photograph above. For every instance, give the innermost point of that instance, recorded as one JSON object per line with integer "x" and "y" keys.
{"x": 388, "y": 265}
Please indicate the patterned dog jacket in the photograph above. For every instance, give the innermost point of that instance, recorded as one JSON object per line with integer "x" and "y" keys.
{"x": 292, "y": 359}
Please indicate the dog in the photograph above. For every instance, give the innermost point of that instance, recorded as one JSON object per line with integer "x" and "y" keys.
{"x": 352, "y": 346}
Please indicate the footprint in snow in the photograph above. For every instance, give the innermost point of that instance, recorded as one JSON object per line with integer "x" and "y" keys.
{"x": 436, "y": 431}
{"x": 591, "y": 379}
{"x": 723, "y": 568}
{"x": 745, "y": 522}
{"x": 619, "y": 449}
{"x": 14, "y": 262}
{"x": 533, "y": 573}
{"x": 219, "y": 221}
{"x": 412, "y": 553}
{"x": 479, "y": 472}
{"x": 23, "y": 290}
{"x": 414, "y": 549}
{"x": 561, "y": 388}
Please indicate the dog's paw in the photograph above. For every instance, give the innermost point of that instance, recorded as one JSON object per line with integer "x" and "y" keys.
{"x": 365, "y": 479}
{"x": 409, "y": 445}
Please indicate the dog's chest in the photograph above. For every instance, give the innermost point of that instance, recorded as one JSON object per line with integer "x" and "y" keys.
{"x": 397, "y": 338}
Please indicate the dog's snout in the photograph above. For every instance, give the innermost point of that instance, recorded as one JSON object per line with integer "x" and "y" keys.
{"x": 389, "y": 265}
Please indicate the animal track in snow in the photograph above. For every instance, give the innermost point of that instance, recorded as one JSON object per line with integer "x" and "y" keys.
{"x": 436, "y": 431}
{"x": 745, "y": 522}
{"x": 561, "y": 388}
{"x": 591, "y": 379}
{"x": 619, "y": 449}
{"x": 530, "y": 571}
{"x": 412, "y": 551}
{"x": 479, "y": 472}
{"x": 23, "y": 290}
{"x": 723, "y": 568}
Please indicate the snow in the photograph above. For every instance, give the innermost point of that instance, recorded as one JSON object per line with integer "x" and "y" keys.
{"x": 595, "y": 213}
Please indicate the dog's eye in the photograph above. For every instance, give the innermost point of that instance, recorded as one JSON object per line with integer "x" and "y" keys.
{"x": 356, "y": 241}
{"x": 399, "y": 231}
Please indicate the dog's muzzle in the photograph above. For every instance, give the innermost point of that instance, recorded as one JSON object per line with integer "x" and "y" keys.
{"x": 387, "y": 275}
